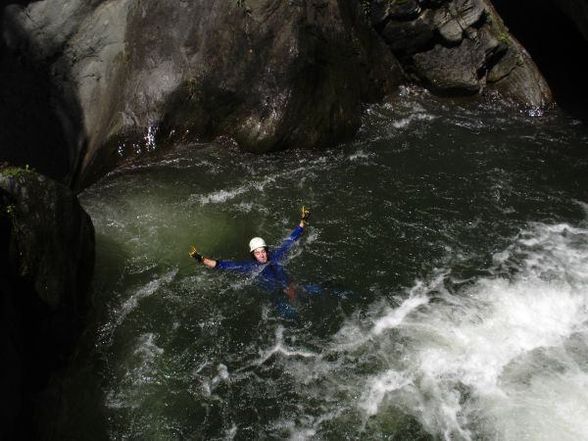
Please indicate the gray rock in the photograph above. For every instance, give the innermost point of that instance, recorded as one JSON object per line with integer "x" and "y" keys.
{"x": 409, "y": 37}
{"x": 456, "y": 17}
{"x": 461, "y": 47}
{"x": 513, "y": 73}
{"x": 382, "y": 10}
{"x": 451, "y": 69}
{"x": 270, "y": 74}
{"x": 134, "y": 75}
{"x": 517, "y": 78}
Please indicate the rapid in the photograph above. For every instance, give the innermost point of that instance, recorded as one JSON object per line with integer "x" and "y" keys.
{"x": 451, "y": 244}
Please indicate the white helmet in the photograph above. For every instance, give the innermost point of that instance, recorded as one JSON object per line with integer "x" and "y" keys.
{"x": 255, "y": 243}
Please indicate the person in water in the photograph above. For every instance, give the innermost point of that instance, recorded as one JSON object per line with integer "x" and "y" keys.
{"x": 265, "y": 265}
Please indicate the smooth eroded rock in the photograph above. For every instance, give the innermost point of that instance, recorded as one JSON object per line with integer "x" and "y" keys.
{"x": 267, "y": 73}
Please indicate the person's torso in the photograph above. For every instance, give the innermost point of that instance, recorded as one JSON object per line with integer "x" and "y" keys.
{"x": 273, "y": 277}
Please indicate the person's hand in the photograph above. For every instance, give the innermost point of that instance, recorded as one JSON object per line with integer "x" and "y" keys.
{"x": 304, "y": 214}
{"x": 195, "y": 255}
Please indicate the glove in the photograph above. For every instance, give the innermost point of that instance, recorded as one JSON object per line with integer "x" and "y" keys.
{"x": 304, "y": 214}
{"x": 195, "y": 255}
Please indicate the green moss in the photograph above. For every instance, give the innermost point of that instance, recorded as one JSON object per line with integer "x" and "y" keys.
{"x": 10, "y": 210}
{"x": 499, "y": 29}
{"x": 366, "y": 6}
{"x": 191, "y": 86}
{"x": 14, "y": 172}
{"x": 503, "y": 37}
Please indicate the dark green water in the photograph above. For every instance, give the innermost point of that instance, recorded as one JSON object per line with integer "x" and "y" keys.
{"x": 459, "y": 233}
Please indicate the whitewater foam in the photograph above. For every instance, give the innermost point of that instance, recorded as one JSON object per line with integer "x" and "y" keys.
{"x": 476, "y": 360}
{"x": 281, "y": 348}
{"x": 505, "y": 358}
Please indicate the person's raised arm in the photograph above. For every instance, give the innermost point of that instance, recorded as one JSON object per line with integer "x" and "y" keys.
{"x": 293, "y": 237}
{"x": 304, "y": 215}
{"x": 206, "y": 261}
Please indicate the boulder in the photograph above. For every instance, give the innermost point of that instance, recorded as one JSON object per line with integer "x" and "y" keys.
{"x": 267, "y": 73}
{"x": 47, "y": 257}
{"x": 456, "y": 17}
{"x": 461, "y": 47}
{"x": 451, "y": 69}
{"x": 129, "y": 76}
{"x": 524, "y": 84}
{"x": 51, "y": 244}
{"x": 410, "y": 36}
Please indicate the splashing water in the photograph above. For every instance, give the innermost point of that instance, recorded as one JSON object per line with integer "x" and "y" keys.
{"x": 504, "y": 359}
{"x": 457, "y": 236}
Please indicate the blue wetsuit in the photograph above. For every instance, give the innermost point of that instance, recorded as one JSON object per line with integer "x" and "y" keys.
{"x": 271, "y": 275}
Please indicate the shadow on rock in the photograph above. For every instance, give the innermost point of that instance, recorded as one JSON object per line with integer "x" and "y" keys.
{"x": 41, "y": 121}
{"x": 47, "y": 258}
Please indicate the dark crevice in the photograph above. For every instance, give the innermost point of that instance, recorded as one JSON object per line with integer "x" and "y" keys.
{"x": 31, "y": 131}
{"x": 492, "y": 58}
{"x": 33, "y": 109}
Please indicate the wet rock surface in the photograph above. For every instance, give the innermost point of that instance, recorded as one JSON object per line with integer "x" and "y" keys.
{"x": 268, "y": 74}
{"x": 130, "y": 76}
{"x": 460, "y": 47}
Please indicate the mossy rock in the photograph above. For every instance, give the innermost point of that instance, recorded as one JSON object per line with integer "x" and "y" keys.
{"x": 51, "y": 238}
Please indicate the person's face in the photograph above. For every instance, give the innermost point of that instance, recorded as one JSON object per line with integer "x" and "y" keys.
{"x": 260, "y": 255}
